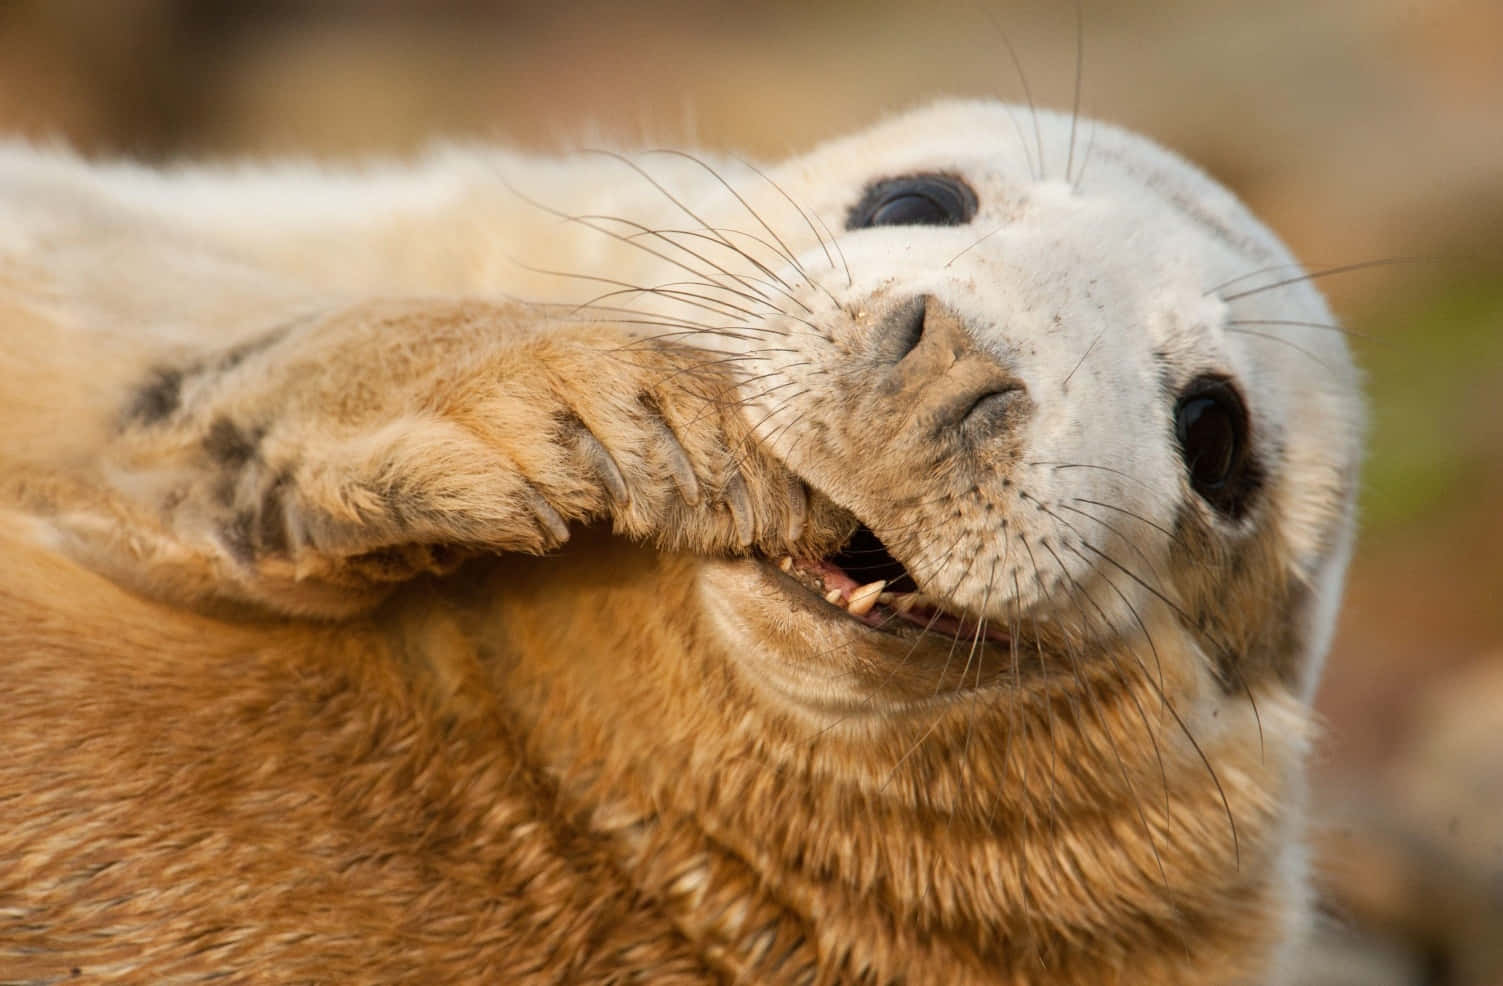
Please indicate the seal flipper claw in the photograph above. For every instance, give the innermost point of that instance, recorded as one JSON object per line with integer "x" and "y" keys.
{"x": 739, "y": 502}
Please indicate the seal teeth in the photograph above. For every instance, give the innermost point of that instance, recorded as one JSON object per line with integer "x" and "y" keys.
{"x": 786, "y": 563}
{"x": 863, "y": 598}
{"x": 833, "y": 597}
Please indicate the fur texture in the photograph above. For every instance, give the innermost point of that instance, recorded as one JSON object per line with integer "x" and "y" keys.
{"x": 363, "y": 623}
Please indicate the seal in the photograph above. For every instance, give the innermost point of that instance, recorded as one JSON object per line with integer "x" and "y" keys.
{"x": 908, "y": 563}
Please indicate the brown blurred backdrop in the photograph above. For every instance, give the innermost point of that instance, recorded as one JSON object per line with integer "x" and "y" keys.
{"x": 1359, "y": 129}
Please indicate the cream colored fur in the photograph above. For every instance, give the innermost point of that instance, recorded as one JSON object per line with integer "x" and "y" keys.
{"x": 391, "y": 593}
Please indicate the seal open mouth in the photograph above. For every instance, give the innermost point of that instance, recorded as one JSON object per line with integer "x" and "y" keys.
{"x": 870, "y": 585}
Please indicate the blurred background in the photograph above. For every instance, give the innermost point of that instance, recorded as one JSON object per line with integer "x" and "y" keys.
{"x": 1359, "y": 129}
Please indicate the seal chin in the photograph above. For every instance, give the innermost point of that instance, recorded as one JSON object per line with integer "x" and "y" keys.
{"x": 816, "y": 656}
{"x": 837, "y": 632}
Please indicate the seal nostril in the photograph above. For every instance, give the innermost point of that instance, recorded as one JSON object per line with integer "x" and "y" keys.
{"x": 991, "y": 409}
{"x": 903, "y": 326}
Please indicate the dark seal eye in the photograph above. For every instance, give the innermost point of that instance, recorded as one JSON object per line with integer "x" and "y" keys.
{"x": 916, "y": 200}
{"x": 1210, "y": 422}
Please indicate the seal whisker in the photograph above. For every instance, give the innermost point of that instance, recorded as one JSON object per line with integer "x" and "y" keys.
{"x": 1225, "y": 802}
{"x": 1100, "y": 573}
{"x": 690, "y": 212}
{"x": 1075, "y": 104}
{"x": 647, "y": 343}
{"x": 677, "y": 290}
{"x": 807, "y": 327}
{"x": 976, "y": 642}
{"x": 619, "y": 237}
{"x": 698, "y": 301}
{"x": 1317, "y": 275}
{"x": 1080, "y": 362}
{"x": 752, "y": 293}
{"x": 955, "y": 637}
{"x": 1095, "y": 567}
{"x": 1054, "y": 806}
{"x": 1173, "y": 537}
{"x": 975, "y": 243}
{"x": 1037, "y": 173}
{"x": 1284, "y": 342}
{"x": 938, "y": 715}
{"x": 1076, "y": 592}
{"x": 772, "y": 281}
{"x": 787, "y": 253}
{"x": 1297, "y": 323}
{"x": 1017, "y": 723}
{"x": 1270, "y": 269}
{"x": 1060, "y": 466}
{"x": 839, "y": 252}
{"x": 1160, "y": 687}
{"x": 1085, "y": 161}
{"x": 832, "y": 241}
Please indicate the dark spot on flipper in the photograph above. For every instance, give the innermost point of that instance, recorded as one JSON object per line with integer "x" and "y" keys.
{"x": 407, "y": 507}
{"x": 394, "y": 563}
{"x": 445, "y": 558}
{"x": 271, "y": 523}
{"x": 161, "y": 394}
{"x": 236, "y": 355}
{"x": 388, "y": 564}
{"x": 174, "y": 498}
{"x": 237, "y": 535}
{"x": 228, "y": 445}
{"x": 158, "y": 398}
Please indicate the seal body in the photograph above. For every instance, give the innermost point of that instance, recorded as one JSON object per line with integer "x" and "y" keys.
{"x": 908, "y": 563}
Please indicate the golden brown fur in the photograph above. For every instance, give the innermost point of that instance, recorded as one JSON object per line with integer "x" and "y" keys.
{"x": 372, "y": 802}
{"x": 437, "y": 640}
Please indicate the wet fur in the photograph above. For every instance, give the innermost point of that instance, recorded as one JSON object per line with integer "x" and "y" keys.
{"x": 334, "y": 651}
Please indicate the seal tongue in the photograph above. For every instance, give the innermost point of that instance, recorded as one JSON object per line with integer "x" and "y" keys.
{"x": 832, "y": 576}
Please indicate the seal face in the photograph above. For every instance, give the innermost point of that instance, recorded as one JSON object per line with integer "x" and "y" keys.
{"x": 976, "y": 536}
{"x": 1070, "y": 402}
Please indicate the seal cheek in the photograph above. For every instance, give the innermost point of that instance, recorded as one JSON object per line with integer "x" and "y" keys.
{"x": 1247, "y": 608}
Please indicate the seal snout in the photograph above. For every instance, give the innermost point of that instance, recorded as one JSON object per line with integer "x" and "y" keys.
{"x": 941, "y": 377}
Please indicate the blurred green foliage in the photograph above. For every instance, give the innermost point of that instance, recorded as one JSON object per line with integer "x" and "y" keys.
{"x": 1435, "y": 365}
